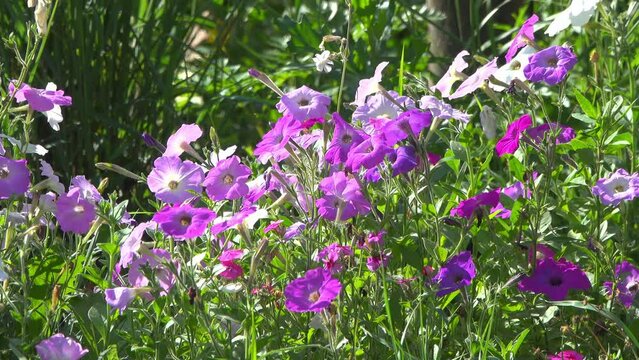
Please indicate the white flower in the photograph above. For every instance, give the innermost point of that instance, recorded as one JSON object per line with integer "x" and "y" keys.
{"x": 488, "y": 122}
{"x": 369, "y": 86}
{"x": 323, "y": 62}
{"x": 513, "y": 70}
{"x": 222, "y": 154}
{"x": 31, "y": 148}
{"x": 41, "y": 16}
{"x": 577, "y": 14}
{"x": 3, "y": 275}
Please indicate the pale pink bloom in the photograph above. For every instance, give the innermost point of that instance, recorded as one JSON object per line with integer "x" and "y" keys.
{"x": 369, "y": 86}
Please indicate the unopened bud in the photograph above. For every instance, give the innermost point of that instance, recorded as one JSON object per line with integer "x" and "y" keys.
{"x": 120, "y": 170}
{"x": 594, "y": 56}
{"x": 103, "y": 184}
{"x": 265, "y": 80}
{"x": 152, "y": 142}
{"x": 488, "y": 122}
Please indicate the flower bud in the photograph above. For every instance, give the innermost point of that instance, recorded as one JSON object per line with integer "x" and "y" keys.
{"x": 488, "y": 122}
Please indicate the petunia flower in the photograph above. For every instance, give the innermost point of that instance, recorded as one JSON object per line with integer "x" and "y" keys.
{"x": 223, "y": 224}
{"x": 154, "y": 260}
{"x": 512, "y": 70}
{"x": 523, "y": 37}
{"x": 333, "y": 257}
{"x": 313, "y": 292}
{"x": 550, "y": 65}
{"x": 294, "y": 230}
{"x": 369, "y": 86}
{"x": 626, "y": 285}
{"x": 46, "y": 101}
{"x": 344, "y": 138}
{"x": 404, "y": 159}
{"x": 410, "y": 123}
{"x": 377, "y": 260}
{"x": 468, "y": 207}
{"x": 53, "y": 179}
{"x": 476, "y": 80}
{"x": 458, "y": 272}
{"x": 231, "y": 270}
{"x": 86, "y": 190}
{"x": 184, "y": 222}
{"x": 14, "y": 177}
{"x": 618, "y": 187}
{"x": 509, "y": 143}
{"x": 132, "y": 243}
{"x": 343, "y": 196}
{"x": 442, "y": 110}
{"x": 181, "y": 140}
{"x": 368, "y": 154}
{"x": 74, "y": 213}
{"x": 577, "y": 14}
{"x": 173, "y": 180}
{"x": 379, "y": 109}
{"x": 555, "y": 278}
{"x": 566, "y": 355}
{"x": 121, "y": 297}
{"x": 273, "y": 143}
{"x": 538, "y": 133}
{"x": 323, "y": 62}
{"x": 304, "y": 103}
{"x": 452, "y": 75}
{"x": 60, "y": 347}
{"x": 227, "y": 180}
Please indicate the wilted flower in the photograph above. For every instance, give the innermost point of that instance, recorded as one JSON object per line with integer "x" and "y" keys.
{"x": 342, "y": 195}
{"x": 369, "y": 86}
{"x": 555, "y": 278}
{"x": 173, "y": 180}
{"x": 468, "y": 207}
{"x": 566, "y": 355}
{"x": 577, "y": 14}
{"x": 184, "y": 222}
{"x": 74, "y": 213}
{"x": 476, "y": 80}
{"x": 452, "y": 75}
{"x": 510, "y": 142}
{"x": 523, "y": 37}
{"x": 60, "y": 347}
{"x": 458, "y": 272}
{"x": 304, "y": 103}
{"x": 620, "y": 186}
{"x": 14, "y": 177}
{"x": 550, "y": 65}
{"x": 227, "y": 180}
{"x": 627, "y": 284}
{"x": 333, "y": 257}
{"x": 313, "y": 292}
{"x": 323, "y": 62}
{"x": 273, "y": 143}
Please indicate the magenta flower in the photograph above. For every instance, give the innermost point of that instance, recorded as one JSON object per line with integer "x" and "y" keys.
{"x": 626, "y": 284}
{"x": 273, "y": 143}
{"x": 184, "y": 222}
{"x": 620, "y": 186}
{"x": 555, "y": 278}
{"x": 14, "y": 177}
{"x": 369, "y": 86}
{"x": 404, "y": 159}
{"x": 227, "y": 180}
{"x": 40, "y": 99}
{"x": 468, "y": 207}
{"x": 377, "y": 260}
{"x": 304, "y": 103}
{"x": 368, "y": 154}
{"x": 458, "y": 272}
{"x": 550, "y": 65}
{"x": 60, "y": 347}
{"x": 74, "y": 213}
{"x": 510, "y": 142}
{"x": 452, "y": 75}
{"x": 341, "y": 195}
{"x": 515, "y": 191}
{"x": 173, "y": 180}
{"x": 566, "y": 355}
{"x": 476, "y": 80}
{"x": 442, "y": 110}
{"x": 408, "y": 124}
{"x": 273, "y": 226}
{"x": 523, "y": 37}
{"x": 231, "y": 269}
{"x": 345, "y": 137}
{"x": 538, "y": 133}
{"x": 121, "y": 297}
{"x": 154, "y": 260}
{"x": 433, "y": 158}
{"x": 333, "y": 257}
{"x": 313, "y": 292}
{"x": 181, "y": 140}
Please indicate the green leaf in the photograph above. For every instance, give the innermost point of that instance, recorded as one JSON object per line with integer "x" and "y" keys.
{"x": 586, "y": 105}
{"x": 584, "y": 118}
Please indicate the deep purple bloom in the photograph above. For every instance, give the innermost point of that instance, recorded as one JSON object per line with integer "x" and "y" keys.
{"x": 550, "y": 65}
{"x": 404, "y": 159}
{"x": 476, "y": 80}
{"x": 173, "y": 180}
{"x": 566, "y": 355}
{"x": 555, "y": 279}
{"x": 467, "y": 208}
{"x": 525, "y": 34}
{"x": 74, "y": 213}
{"x": 368, "y": 154}
{"x": 538, "y": 133}
{"x": 626, "y": 284}
{"x": 510, "y": 142}
{"x": 313, "y": 292}
{"x": 227, "y": 180}
{"x": 181, "y": 140}
{"x": 184, "y": 222}
{"x": 620, "y": 186}
{"x": 344, "y": 138}
{"x": 433, "y": 158}
{"x": 515, "y": 191}
{"x": 333, "y": 257}
{"x": 408, "y": 124}
{"x": 341, "y": 194}
{"x": 458, "y": 272}
{"x": 14, "y": 177}
{"x": 372, "y": 175}
{"x": 40, "y": 99}
{"x": 60, "y": 347}
{"x": 304, "y": 103}
{"x": 273, "y": 143}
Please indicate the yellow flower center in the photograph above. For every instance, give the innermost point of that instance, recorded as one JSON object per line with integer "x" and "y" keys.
{"x": 173, "y": 184}
{"x": 314, "y": 296}
{"x": 228, "y": 179}
{"x": 619, "y": 188}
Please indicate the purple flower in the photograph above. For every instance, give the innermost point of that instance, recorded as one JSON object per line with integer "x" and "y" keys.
{"x": 181, "y": 140}
{"x": 294, "y": 230}
{"x": 380, "y": 107}
{"x": 173, "y": 180}
{"x": 555, "y": 279}
{"x": 40, "y": 99}
{"x": 369, "y": 86}
{"x": 341, "y": 195}
{"x": 523, "y": 37}
{"x": 132, "y": 243}
{"x": 85, "y": 188}
{"x": 368, "y": 154}
{"x": 458, "y": 272}
{"x": 515, "y": 191}
{"x": 184, "y": 222}
{"x": 452, "y": 75}
{"x": 231, "y": 269}
{"x": 121, "y": 297}
{"x": 538, "y": 133}
{"x": 304, "y": 103}
{"x": 566, "y": 355}
{"x": 476, "y": 80}
{"x": 333, "y": 257}
{"x": 273, "y": 143}
{"x": 375, "y": 261}
{"x": 74, "y": 213}
{"x": 408, "y": 124}
{"x": 442, "y": 110}
{"x": 617, "y": 188}
{"x": 227, "y": 180}
{"x": 550, "y": 65}
{"x": 627, "y": 283}
{"x": 273, "y": 226}
{"x": 313, "y": 292}
{"x": 153, "y": 260}
{"x": 60, "y": 347}
{"x": 372, "y": 175}
{"x": 468, "y": 207}
{"x": 14, "y": 177}
{"x": 344, "y": 138}
{"x": 236, "y": 219}
{"x": 510, "y": 142}
{"x": 404, "y": 160}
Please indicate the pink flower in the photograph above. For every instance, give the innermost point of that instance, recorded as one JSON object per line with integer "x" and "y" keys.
{"x": 468, "y": 207}
{"x": 273, "y": 144}
{"x": 60, "y": 347}
{"x": 228, "y": 260}
{"x": 74, "y": 213}
{"x": 313, "y": 292}
{"x": 182, "y": 139}
{"x": 525, "y": 34}
{"x": 304, "y": 103}
{"x": 369, "y": 86}
{"x": 510, "y": 142}
{"x": 566, "y": 355}
{"x": 227, "y": 180}
{"x": 452, "y": 75}
{"x": 476, "y": 80}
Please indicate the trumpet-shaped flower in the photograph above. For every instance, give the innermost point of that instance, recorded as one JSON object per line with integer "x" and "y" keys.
{"x": 509, "y": 143}
{"x": 452, "y": 75}
{"x": 74, "y": 213}
{"x": 476, "y": 80}
{"x": 345, "y": 137}
{"x": 184, "y": 222}
{"x": 627, "y": 284}
{"x": 555, "y": 278}
{"x": 468, "y": 207}
{"x": 368, "y": 154}
{"x": 341, "y": 194}
{"x": 173, "y": 180}
{"x": 313, "y": 292}
{"x": 550, "y": 65}
{"x": 227, "y": 180}
{"x": 523, "y": 37}
{"x": 304, "y": 103}
{"x": 618, "y": 187}
{"x": 578, "y": 13}
{"x": 60, "y": 347}
{"x": 14, "y": 177}
{"x": 181, "y": 140}
{"x": 273, "y": 143}
{"x": 369, "y": 86}
{"x": 442, "y": 110}
{"x": 458, "y": 272}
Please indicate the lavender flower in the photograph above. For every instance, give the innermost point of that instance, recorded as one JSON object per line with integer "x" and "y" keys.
{"x": 620, "y": 186}
{"x": 60, "y": 347}
{"x": 404, "y": 159}
{"x": 380, "y": 107}
{"x": 304, "y": 103}
{"x": 153, "y": 260}
{"x": 132, "y": 243}
{"x": 313, "y": 292}
{"x": 476, "y": 80}
{"x": 227, "y": 180}
{"x": 181, "y": 140}
{"x": 341, "y": 196}
{"x": 510, "y": 142}
{"x": 408, "y": 124}
{"x": 42, "y": 100}
{"x": 458, "y": 272}
{"x": 173, "y": 180}
{"x": 523, "y": 37}
{"x": 377, "y": 260}
{"x": 14, "y": 177}
{"x": 221, "y": 224}
{"x": 85, "y": 188}
{"x": 345, "y": 137}
{"x": 627, "y": 284}
{"x": 442, "y": 110}
{"x": 273, "y": 144}
{"x": 369, "y": 86}
{"x": 121, "y": 297}
{"x": 184, "y": 222}
{"x": 74, "y": 213}
{"x": 333, "y": 256}
{"x": 555, "y": 278}
{"x": 452, "y": 75}
{"x": 368, "y": 154}
{"x": 550, "y": 65}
